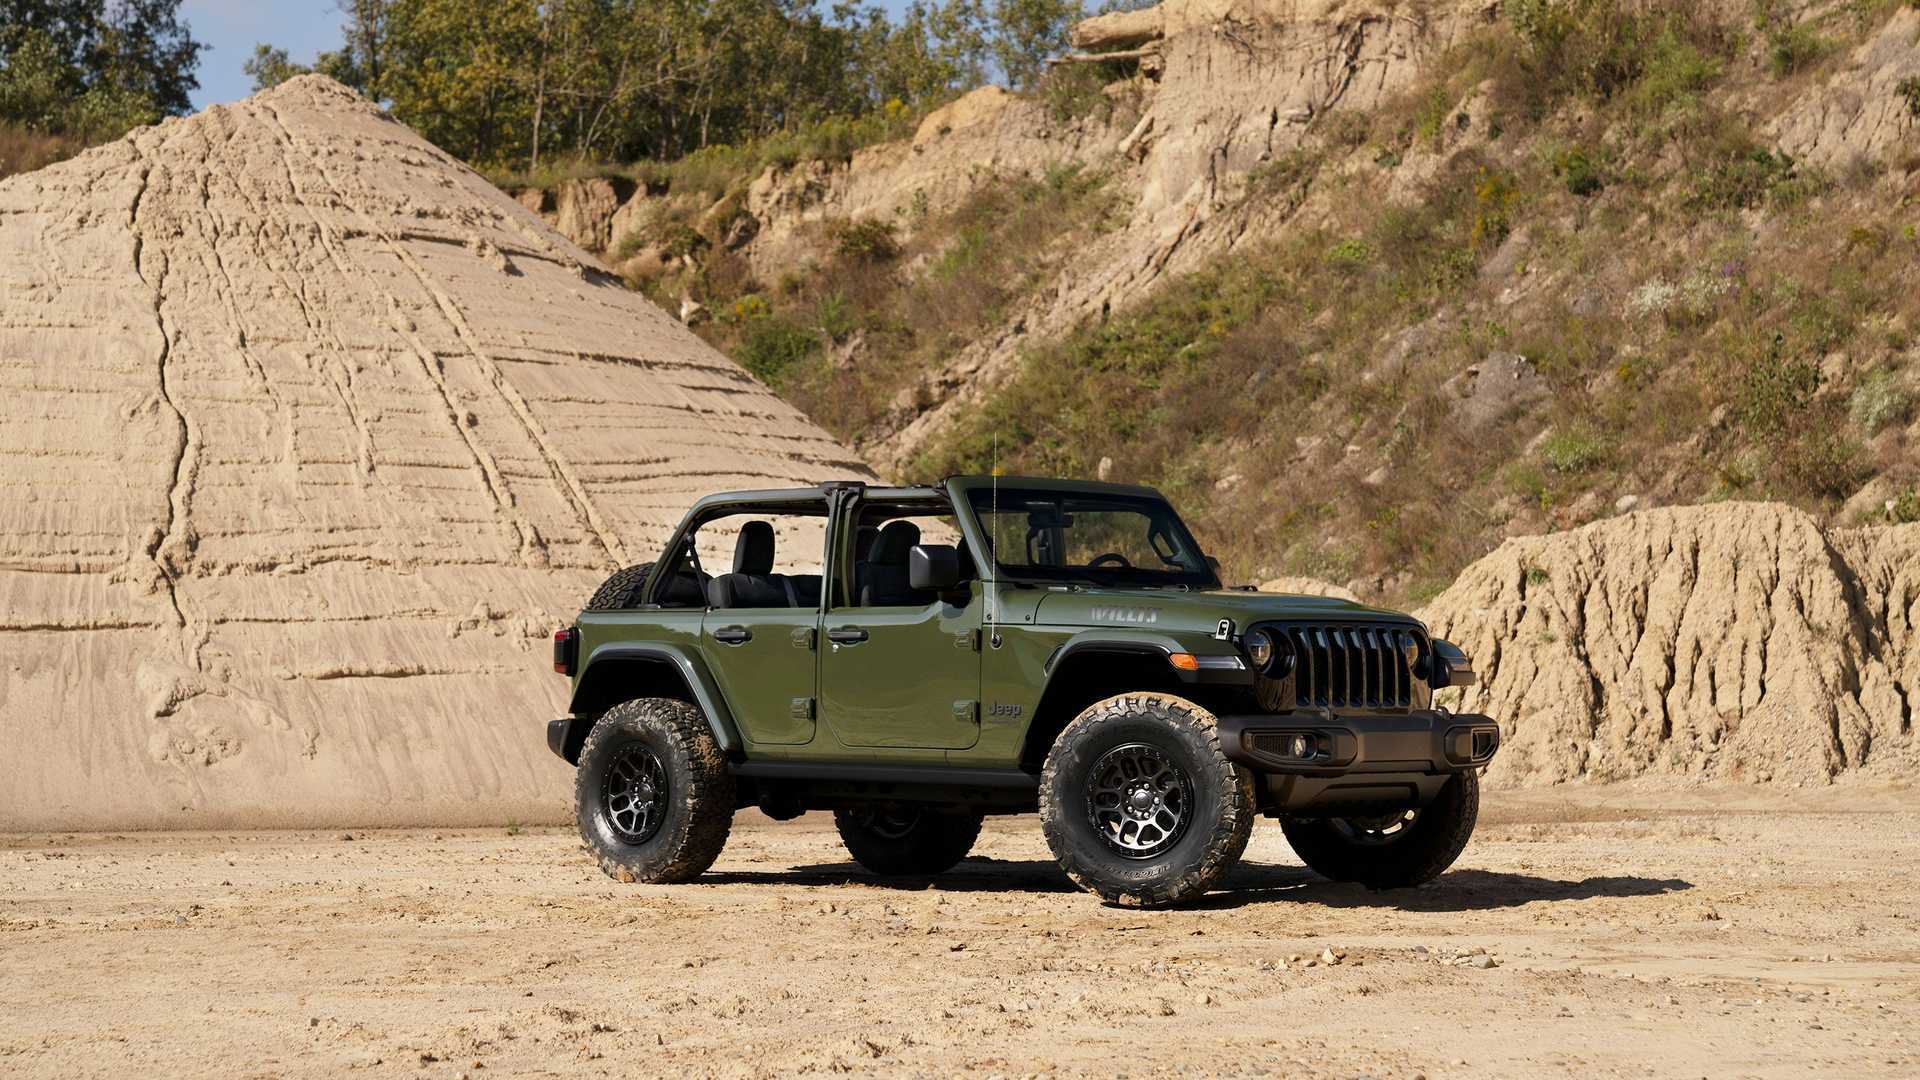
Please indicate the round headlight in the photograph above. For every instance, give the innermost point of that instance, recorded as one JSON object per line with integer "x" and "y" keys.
{"x": 1260, "y": 649}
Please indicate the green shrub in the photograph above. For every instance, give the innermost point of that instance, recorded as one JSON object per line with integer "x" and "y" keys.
{"x": 1880, "y": 399}
{"x": 1580, "y": 171}
{"x": 773, "y": 344}
{"x": 1909, "y": 91}
{"x": 1745, "y": 179}
{"x": 1904, "y": 508}
{"x": 1775, "y": 390}
{"x": 867, "y": 241}
{"x": 680, "y": 241}
{"x": 1351, "y": 254}
{"x": 1573, "y": 450}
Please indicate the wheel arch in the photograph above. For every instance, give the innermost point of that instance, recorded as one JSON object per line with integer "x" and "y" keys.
{"x": 617, "y": 673}
{"x": 1090, "y": 668}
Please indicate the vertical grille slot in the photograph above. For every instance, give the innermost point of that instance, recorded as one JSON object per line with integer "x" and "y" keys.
{"x": 1348, "y": 666}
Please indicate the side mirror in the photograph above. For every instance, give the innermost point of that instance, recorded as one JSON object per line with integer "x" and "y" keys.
{"x": 933, "y": 566}
{"x": 1214, "y": 565}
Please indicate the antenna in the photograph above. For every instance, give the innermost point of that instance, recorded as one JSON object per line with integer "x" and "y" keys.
{"x": 993, "y": 553}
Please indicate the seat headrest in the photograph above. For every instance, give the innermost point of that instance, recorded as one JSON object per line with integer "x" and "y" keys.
{"x": 753, "y": 552}
{"x": 894, "y": 544}
{"x": 863, "y": 542}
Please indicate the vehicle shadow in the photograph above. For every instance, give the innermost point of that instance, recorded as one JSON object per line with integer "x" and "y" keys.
{"x": 1456, "y": 890}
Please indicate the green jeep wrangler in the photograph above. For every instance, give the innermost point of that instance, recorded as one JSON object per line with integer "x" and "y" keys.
{"x": 915, "y": 658}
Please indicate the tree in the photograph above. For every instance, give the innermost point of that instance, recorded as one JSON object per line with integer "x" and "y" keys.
{"x": 269, "y": 67}
{"x": 94, "y": 69}
{"x": 1026, "y": 32}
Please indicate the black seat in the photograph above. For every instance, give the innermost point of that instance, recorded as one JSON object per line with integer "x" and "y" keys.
{"x": 884, "y": 581}
{"x": 753, "y": 584}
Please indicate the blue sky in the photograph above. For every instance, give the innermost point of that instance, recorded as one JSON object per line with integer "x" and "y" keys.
{"x": 304, "y": 28}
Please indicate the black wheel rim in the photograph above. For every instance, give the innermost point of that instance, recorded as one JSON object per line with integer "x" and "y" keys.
{"x": 1378, "y": 830}
{"x": 634, "y": 794}
{"x": 1138, "y": 800}
{"x": 890, "y": 822}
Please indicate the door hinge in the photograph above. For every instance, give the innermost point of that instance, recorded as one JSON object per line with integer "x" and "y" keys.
{"x": 801, "y": 708}
{"x": 967, "y": 712}
{"x": 967, "y": 639}
{"x": 803, "y": 637}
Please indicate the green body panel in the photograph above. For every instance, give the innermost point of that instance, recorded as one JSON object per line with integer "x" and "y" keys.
{"x": 769, "y": 680}
{"x": 915, "y": 681}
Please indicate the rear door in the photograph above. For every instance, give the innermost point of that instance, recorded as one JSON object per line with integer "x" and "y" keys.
{"x": 900, "y": 668}
{"x": 762, "y": 649}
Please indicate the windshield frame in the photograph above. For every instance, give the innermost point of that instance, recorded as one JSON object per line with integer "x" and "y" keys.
{"x": 979, "y": 508}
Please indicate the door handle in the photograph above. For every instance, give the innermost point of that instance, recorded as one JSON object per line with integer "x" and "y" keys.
{"x": 846, "y": 635}
{"x": 733, "y": 635}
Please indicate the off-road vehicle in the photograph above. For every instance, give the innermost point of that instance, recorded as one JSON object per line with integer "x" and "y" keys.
{"x": 915, "y": 658}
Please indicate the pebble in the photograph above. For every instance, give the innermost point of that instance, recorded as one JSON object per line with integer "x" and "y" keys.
{"x": 1484, "y": 962}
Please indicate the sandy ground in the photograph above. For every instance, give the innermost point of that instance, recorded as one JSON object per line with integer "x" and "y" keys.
{"x": 1635, "y": 931}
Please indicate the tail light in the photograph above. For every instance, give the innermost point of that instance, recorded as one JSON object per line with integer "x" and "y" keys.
{"x": 566, "y": 650}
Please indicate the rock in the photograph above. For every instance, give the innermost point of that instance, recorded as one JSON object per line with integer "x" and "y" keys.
{"x": 1483, "y": 962}
{"x": 1104, "y": 471}
{"x": 1486, "y": 392}
{"x": 1625, "y": 504}
{"x": 1732, "y": 641}
{"x": 583, "y": 211}
{"x": 1327, "y": 958}
{"x": 1302, "y": 586}
{"x": 691, "y": 310}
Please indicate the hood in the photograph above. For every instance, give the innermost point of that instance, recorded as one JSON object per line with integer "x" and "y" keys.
{"x": 1174, "y": 610}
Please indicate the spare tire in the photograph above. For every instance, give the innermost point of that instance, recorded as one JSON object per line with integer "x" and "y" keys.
{"x": 621, "y": 590}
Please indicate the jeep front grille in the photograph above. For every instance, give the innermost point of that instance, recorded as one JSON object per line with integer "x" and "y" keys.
{"x": 1350, "y": 666}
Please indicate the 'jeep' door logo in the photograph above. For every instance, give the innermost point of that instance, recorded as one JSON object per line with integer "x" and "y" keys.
{"x": 1126, "y": 614}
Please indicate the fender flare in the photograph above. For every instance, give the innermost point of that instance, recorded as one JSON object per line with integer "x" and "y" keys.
{"x": 692, "y": 670}
{"x": 1149, "y": 642}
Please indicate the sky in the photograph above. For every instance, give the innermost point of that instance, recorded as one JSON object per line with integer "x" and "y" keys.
{"x": 305, "y": 28}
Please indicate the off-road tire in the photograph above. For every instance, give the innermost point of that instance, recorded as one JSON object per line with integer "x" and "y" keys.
{"x": 1221, "y": 808}
{"x": 696, "y": 810}
{"x": 1430, "y": 843}
{"x": 919, "y": 842}
{"x": 617, "y": 592}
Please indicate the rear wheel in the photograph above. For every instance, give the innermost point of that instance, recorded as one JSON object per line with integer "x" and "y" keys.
{"x": 1140, "y": 806}
{"x": 653, "y": 794}
{"x": 1391, "y": 850}
{"x": 893, "y": 840}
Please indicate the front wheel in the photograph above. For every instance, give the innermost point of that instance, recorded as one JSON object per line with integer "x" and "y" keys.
{"x": 654, "y": 796}
{"x": 1139, "y": 804}
{"x": 906, "y": 840}
{"x": 1391, "y": 850}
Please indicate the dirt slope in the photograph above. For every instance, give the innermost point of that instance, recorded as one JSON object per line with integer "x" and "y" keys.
{"x": 310, "y": 437}
{"x": 1734, "y": 641}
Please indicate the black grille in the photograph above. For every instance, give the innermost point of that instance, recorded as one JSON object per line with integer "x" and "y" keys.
{"x": 1350, "y": 666}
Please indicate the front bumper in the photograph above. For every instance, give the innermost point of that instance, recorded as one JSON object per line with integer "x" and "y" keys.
{"x": 1321, "y": 761}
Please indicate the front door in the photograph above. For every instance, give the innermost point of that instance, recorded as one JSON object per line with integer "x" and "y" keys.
{"x": 898, "y": 667}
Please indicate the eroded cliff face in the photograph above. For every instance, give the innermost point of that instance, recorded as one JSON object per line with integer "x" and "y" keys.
{"x": 1736, "y": 641}
{"x": 311, "y": 438}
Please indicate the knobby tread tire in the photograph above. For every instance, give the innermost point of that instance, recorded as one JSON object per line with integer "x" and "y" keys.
{"x": 699, "y": 814}
{"x": 936, "y": 842}
{"x": 1189, "y": 870}
{"x": 1435, "y": 839}
{"x": 617, "y": 592}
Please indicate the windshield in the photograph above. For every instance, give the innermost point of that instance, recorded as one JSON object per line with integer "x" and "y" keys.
{"x": 1089, "y": 537}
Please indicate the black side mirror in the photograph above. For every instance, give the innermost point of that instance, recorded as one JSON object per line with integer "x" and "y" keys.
{"x": 1213, "y": 564}
{"x": 933, "y": 566}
